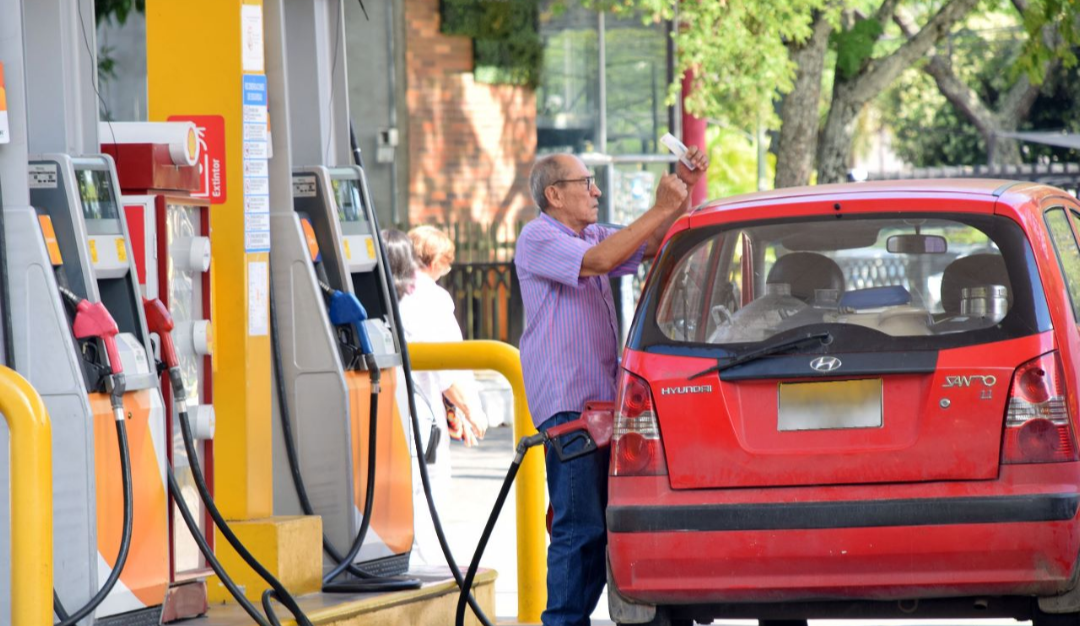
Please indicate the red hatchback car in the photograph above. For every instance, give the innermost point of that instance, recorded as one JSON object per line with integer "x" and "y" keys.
{"x": 854, "y": 400}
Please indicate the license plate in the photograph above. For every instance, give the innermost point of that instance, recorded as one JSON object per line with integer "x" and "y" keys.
{"x": 830, "y": 405}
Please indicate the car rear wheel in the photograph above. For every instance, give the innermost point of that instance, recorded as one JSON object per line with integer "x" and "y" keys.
{"x": 663, "y": 618}
{"x": 1042, "y": 618}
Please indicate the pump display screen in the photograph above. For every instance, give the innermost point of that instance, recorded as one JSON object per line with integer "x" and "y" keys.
{"x": 97, "y": 194}
{"x": 350, "y": 206}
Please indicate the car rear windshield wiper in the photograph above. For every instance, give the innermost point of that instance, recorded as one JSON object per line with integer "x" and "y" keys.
{"x": 824, "y": 337}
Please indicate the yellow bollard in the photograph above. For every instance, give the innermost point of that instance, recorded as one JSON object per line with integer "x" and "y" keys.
{"x": 505, "y": 359}
{"x": 31, "y": 500}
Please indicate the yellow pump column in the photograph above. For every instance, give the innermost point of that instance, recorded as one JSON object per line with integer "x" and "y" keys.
{"x": 206, "y": 63}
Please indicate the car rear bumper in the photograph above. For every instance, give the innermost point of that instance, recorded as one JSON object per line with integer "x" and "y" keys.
{"x": 873, "y": 548}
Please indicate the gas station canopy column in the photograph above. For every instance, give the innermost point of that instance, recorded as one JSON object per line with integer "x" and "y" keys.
{"x": 206, "y": 63}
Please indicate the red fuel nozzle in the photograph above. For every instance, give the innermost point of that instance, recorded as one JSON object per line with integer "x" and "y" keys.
{"x": 594, "y": 426}
{"x": 160, "y": 321}
{"x": 92, "y": 320}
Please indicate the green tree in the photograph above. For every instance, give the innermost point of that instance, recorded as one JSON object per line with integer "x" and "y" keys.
{"x": 992, "y": 82}
{"x": 118, "y": 9}
{"x": 747, "y": 54}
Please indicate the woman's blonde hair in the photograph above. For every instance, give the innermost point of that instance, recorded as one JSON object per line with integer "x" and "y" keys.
{"x": 431, "y": 244}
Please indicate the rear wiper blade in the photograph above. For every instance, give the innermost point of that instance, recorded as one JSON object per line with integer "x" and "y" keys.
{"x": 824, "y": 337}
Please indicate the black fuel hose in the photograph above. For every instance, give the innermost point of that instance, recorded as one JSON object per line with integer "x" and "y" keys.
{"x": 208, "y": 552}
{"x": 125, "y": 540}
{"x": 5, "y": 293}
{"x": 406, "y": 364}
{"x": 282, "y": 594}
{"x": 522, "y": 447}
{"x": 343, "y": 563}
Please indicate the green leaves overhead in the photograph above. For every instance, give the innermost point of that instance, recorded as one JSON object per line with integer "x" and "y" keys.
{"x": 855, "y": 45}
{"x": 506, "y": 44}
{"x": 1064, "y": 15}
{"x": 738, "y": 51}
{"x": 120, "y": 9}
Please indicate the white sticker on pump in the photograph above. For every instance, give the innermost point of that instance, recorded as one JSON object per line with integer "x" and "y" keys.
{"x": 303, "y": 186}
{"x": 43, "y": 176}
{"x": 258, "y": 299}
{"x": 132, "y": 354}
{"x": 251, "y": 38}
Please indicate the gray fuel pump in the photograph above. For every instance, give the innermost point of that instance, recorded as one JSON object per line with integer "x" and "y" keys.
{"x": 324, "y": 261}
{"x": 74, "y": 240}
{"x": 331, "y": 249}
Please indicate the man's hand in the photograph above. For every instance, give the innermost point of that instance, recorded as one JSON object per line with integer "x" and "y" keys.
{"x": 671, "y": 193}
{"x": 701, "y": 164}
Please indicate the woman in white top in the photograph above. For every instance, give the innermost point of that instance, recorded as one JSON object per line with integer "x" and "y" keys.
{"x": 432, "y": 308}
{"x": 427, "y": 315}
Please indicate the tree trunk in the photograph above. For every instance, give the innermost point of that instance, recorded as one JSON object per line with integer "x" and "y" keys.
{"x": 834, "y": 155}
{"x": 799, "y": 111}
{"x": 849, "y": 96}
{"x": 1002, "y": 150}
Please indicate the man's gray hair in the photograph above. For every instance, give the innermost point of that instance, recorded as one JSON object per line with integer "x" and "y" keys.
{"x": 545, "y": 172}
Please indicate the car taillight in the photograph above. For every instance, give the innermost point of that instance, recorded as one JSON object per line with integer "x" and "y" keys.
{"x": 1037, "y": 424}
{"x": 637, "y": 449}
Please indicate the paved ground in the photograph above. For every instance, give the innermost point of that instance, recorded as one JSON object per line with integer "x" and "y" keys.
{"x": 478, "y": 475}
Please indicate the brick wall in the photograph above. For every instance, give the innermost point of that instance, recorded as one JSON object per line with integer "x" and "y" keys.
{"x": 470, "y": 144}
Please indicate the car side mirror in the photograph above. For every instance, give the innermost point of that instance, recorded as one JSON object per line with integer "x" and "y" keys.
{"x": 917, "y": 244}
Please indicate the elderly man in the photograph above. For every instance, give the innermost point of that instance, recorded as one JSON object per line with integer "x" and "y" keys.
{"x": 569, "y": 349}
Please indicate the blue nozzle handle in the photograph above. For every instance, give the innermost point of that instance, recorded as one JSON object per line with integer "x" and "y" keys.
{"x": 346, "y": 309}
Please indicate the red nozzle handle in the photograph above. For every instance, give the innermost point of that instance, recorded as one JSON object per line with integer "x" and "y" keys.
{"x": 598, "y": 419}
{"x": 594, "y": 427}
{"x": 160, "y": 321}
{"x": 92, "y": 320}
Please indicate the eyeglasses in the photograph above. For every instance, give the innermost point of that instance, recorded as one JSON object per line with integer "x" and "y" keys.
{"x": 588, "y": 180}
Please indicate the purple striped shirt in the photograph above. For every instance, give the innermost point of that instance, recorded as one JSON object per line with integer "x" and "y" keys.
{"x": 569, "y": 347}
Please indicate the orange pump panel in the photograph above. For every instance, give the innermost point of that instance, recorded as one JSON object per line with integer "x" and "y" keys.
{"x": 312, "y": 242}
{"x": 393, "y": 515}
{"x": 146, "y": 572}
{"x": 50, "y": 240}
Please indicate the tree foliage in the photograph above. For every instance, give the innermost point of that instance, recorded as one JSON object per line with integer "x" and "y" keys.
{"x": 742, "y": 50}
{"x": 984, "y": 87}
{"x": 737, "y": 51}
{"x": 1062, "y": 16}
{"x": 855, "y": 45}
{"x": 119, "y": 9}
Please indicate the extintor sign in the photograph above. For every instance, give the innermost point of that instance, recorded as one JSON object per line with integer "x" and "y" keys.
{"x": 210, "y": 133}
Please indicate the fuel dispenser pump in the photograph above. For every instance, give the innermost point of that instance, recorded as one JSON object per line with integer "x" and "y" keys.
{"x": 92, "y": 363}
{"x": 170, "y": 241}
{"x": 336, "y": 345}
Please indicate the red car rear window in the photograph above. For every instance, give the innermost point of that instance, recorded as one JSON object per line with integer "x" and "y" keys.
{"x": 908, "y": 282}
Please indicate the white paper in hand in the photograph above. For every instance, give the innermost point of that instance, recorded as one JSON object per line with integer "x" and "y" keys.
{"x": 677, "y": 148}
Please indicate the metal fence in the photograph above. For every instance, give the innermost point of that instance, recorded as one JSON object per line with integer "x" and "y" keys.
{"x": 1063, "y": 175}
{"x": 487, "y": 300}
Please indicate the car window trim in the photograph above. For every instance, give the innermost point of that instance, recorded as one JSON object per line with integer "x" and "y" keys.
{"x": 1066, "y": 212}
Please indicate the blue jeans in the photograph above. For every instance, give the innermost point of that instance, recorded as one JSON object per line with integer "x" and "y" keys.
{"x": 576, "y": 558}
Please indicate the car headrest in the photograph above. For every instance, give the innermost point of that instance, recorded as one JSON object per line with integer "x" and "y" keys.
{"x": 805, "y": 272}
{"x": 972, "y": 271}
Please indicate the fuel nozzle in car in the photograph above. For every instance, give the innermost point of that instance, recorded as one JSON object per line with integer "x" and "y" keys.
{"x": 93, "y": 321}
{"x": 593, "y": 429}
